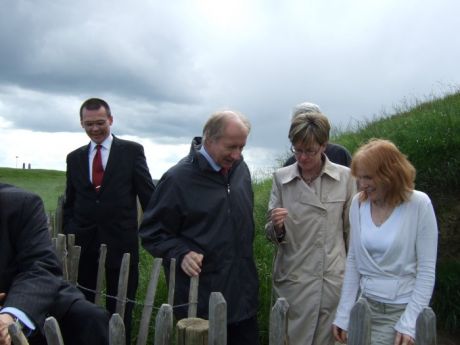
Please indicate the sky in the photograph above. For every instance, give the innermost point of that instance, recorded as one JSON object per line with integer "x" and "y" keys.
{"x": 165, "y": 66}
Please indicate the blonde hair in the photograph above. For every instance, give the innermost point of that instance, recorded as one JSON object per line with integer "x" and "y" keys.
{"x": 388, "y": 167}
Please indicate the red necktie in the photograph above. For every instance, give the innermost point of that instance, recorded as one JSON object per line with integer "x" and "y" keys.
{"x": 224, "y": 171}
{"x": 98, "y": 169}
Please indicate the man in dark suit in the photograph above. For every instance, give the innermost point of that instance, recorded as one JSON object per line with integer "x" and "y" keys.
{"x": 31, "y": 284}
{"x": 335, "y": 152}
{"x": 104, "y": 178}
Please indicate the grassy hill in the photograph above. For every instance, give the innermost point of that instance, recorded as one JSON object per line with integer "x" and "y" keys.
{"x": 427, "y": 133}
{"x": 49, "y": 184}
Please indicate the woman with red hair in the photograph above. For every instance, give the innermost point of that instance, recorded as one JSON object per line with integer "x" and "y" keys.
{"x": 392, "y": 257}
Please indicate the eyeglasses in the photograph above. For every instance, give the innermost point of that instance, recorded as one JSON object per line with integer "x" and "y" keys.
{"x": 307, "y": 153}
{"x": 99, "y": 123}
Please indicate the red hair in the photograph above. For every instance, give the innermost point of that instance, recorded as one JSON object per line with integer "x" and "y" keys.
{"x": 388, "y": 167}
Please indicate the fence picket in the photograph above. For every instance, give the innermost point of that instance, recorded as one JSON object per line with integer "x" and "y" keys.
{"x": 217, "y": 319}
{"x": 359, "y": 331}
{"x": 123, "y": 284}
{"x": 164, "y": 325}
{"x": 193, "y": 296}
{"x": 100, "y": 275}
{"x": 53, "y": 332}
{"x": 425, "y": 328}
{"x": 16, "y": 334}
{"x": 58, "y": 216}
{"x": 172, "y": 281}
{"x": 61, "y": 252}
{"x": 278, "y": 322}
{"x": 117, "y": 334}
{"x": 73, "y": 263}
{"x": 148, "y": 303}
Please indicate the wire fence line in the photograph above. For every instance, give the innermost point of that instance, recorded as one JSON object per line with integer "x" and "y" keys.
{"x": 127, "y": 300}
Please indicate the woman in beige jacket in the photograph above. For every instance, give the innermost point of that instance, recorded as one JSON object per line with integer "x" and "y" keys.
{"x": 308, "y": 212}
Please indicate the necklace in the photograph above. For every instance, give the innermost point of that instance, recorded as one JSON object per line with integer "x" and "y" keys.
{"x": 317, "y": 171}
{"x": 311, "y": 179}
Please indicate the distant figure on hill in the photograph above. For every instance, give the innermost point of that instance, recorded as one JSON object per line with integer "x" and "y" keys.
{"x": 31, "y": 284}
{"x": 104, "y": 178}
{"x": 392, "y": 258}
{"x": 201, "y": 214}
{"x": 335, "y": 152}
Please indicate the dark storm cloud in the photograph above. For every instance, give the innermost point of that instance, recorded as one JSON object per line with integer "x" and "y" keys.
{"x": 164, "y": 67}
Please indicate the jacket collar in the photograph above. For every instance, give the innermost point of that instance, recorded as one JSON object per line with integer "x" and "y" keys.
{"x": 200, "y": 160}
{"x": 291, "y": 172}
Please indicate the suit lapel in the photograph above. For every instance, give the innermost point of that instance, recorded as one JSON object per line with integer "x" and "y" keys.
{"x": 114, "y": 155}
{"x": 84, "y": 163}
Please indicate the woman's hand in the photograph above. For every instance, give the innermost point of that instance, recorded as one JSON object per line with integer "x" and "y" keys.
{"x": 277, "y": 217}
{"x": 403, "y": 339}
{"x": 339, "y": 334}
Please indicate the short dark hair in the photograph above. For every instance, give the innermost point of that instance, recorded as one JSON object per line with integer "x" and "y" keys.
{"x": 94, "y": 104}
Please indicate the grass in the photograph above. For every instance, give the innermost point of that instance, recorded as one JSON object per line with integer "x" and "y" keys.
{"x": 49, "y": 184}
{"x": 427, "y": 133}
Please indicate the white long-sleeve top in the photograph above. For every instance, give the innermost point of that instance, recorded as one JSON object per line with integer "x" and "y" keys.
{"x": 405, "y": 271}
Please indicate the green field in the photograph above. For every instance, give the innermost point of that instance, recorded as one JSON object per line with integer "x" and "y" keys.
{"x": 427, "y": 133}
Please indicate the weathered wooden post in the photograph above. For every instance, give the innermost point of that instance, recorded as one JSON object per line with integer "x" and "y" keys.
{"x": 192, "y": 331}
{"x": 51, "y": 225}
{"x": 117, "y": 335}
{"x": 359, "y": 329}
{"x": 164, "y": 325}
{"x": 425, "y": 328}
{"x": 148, "y": 303}
{"x": 279, "y": 322}
{"x": 53, "y": 332}
{"x": 123, "y": 285}
{"x": 58, "y": 216}
{"x": 100, "y": 275}
{"x": 74, "y": 261}
{"x": 16, "y": 334}
{"x": 61, "y": 252}
{"x": 217, "y": 319}
{"x": 193, "y": 296}
{"x": 172, "y": 281}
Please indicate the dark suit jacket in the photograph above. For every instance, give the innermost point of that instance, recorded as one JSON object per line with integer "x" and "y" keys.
{"x": 29, "y": 270}
{"x": 110, "y": 215}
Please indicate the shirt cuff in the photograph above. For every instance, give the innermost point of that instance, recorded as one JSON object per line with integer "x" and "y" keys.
{"x": 22, "y": 317}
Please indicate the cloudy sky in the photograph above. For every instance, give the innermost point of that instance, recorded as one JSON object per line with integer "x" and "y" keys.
{"x": 165, "y": 66}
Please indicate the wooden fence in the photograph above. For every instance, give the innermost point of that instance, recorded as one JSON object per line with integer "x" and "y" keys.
{"x": 195, "y": 331}
{"x": 190, "y": 331}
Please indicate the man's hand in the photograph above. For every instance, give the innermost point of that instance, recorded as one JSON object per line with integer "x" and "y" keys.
{"x": 403, "y": 339}
{"x": 5, "y": 321}
{"x": 191, "y": 264}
